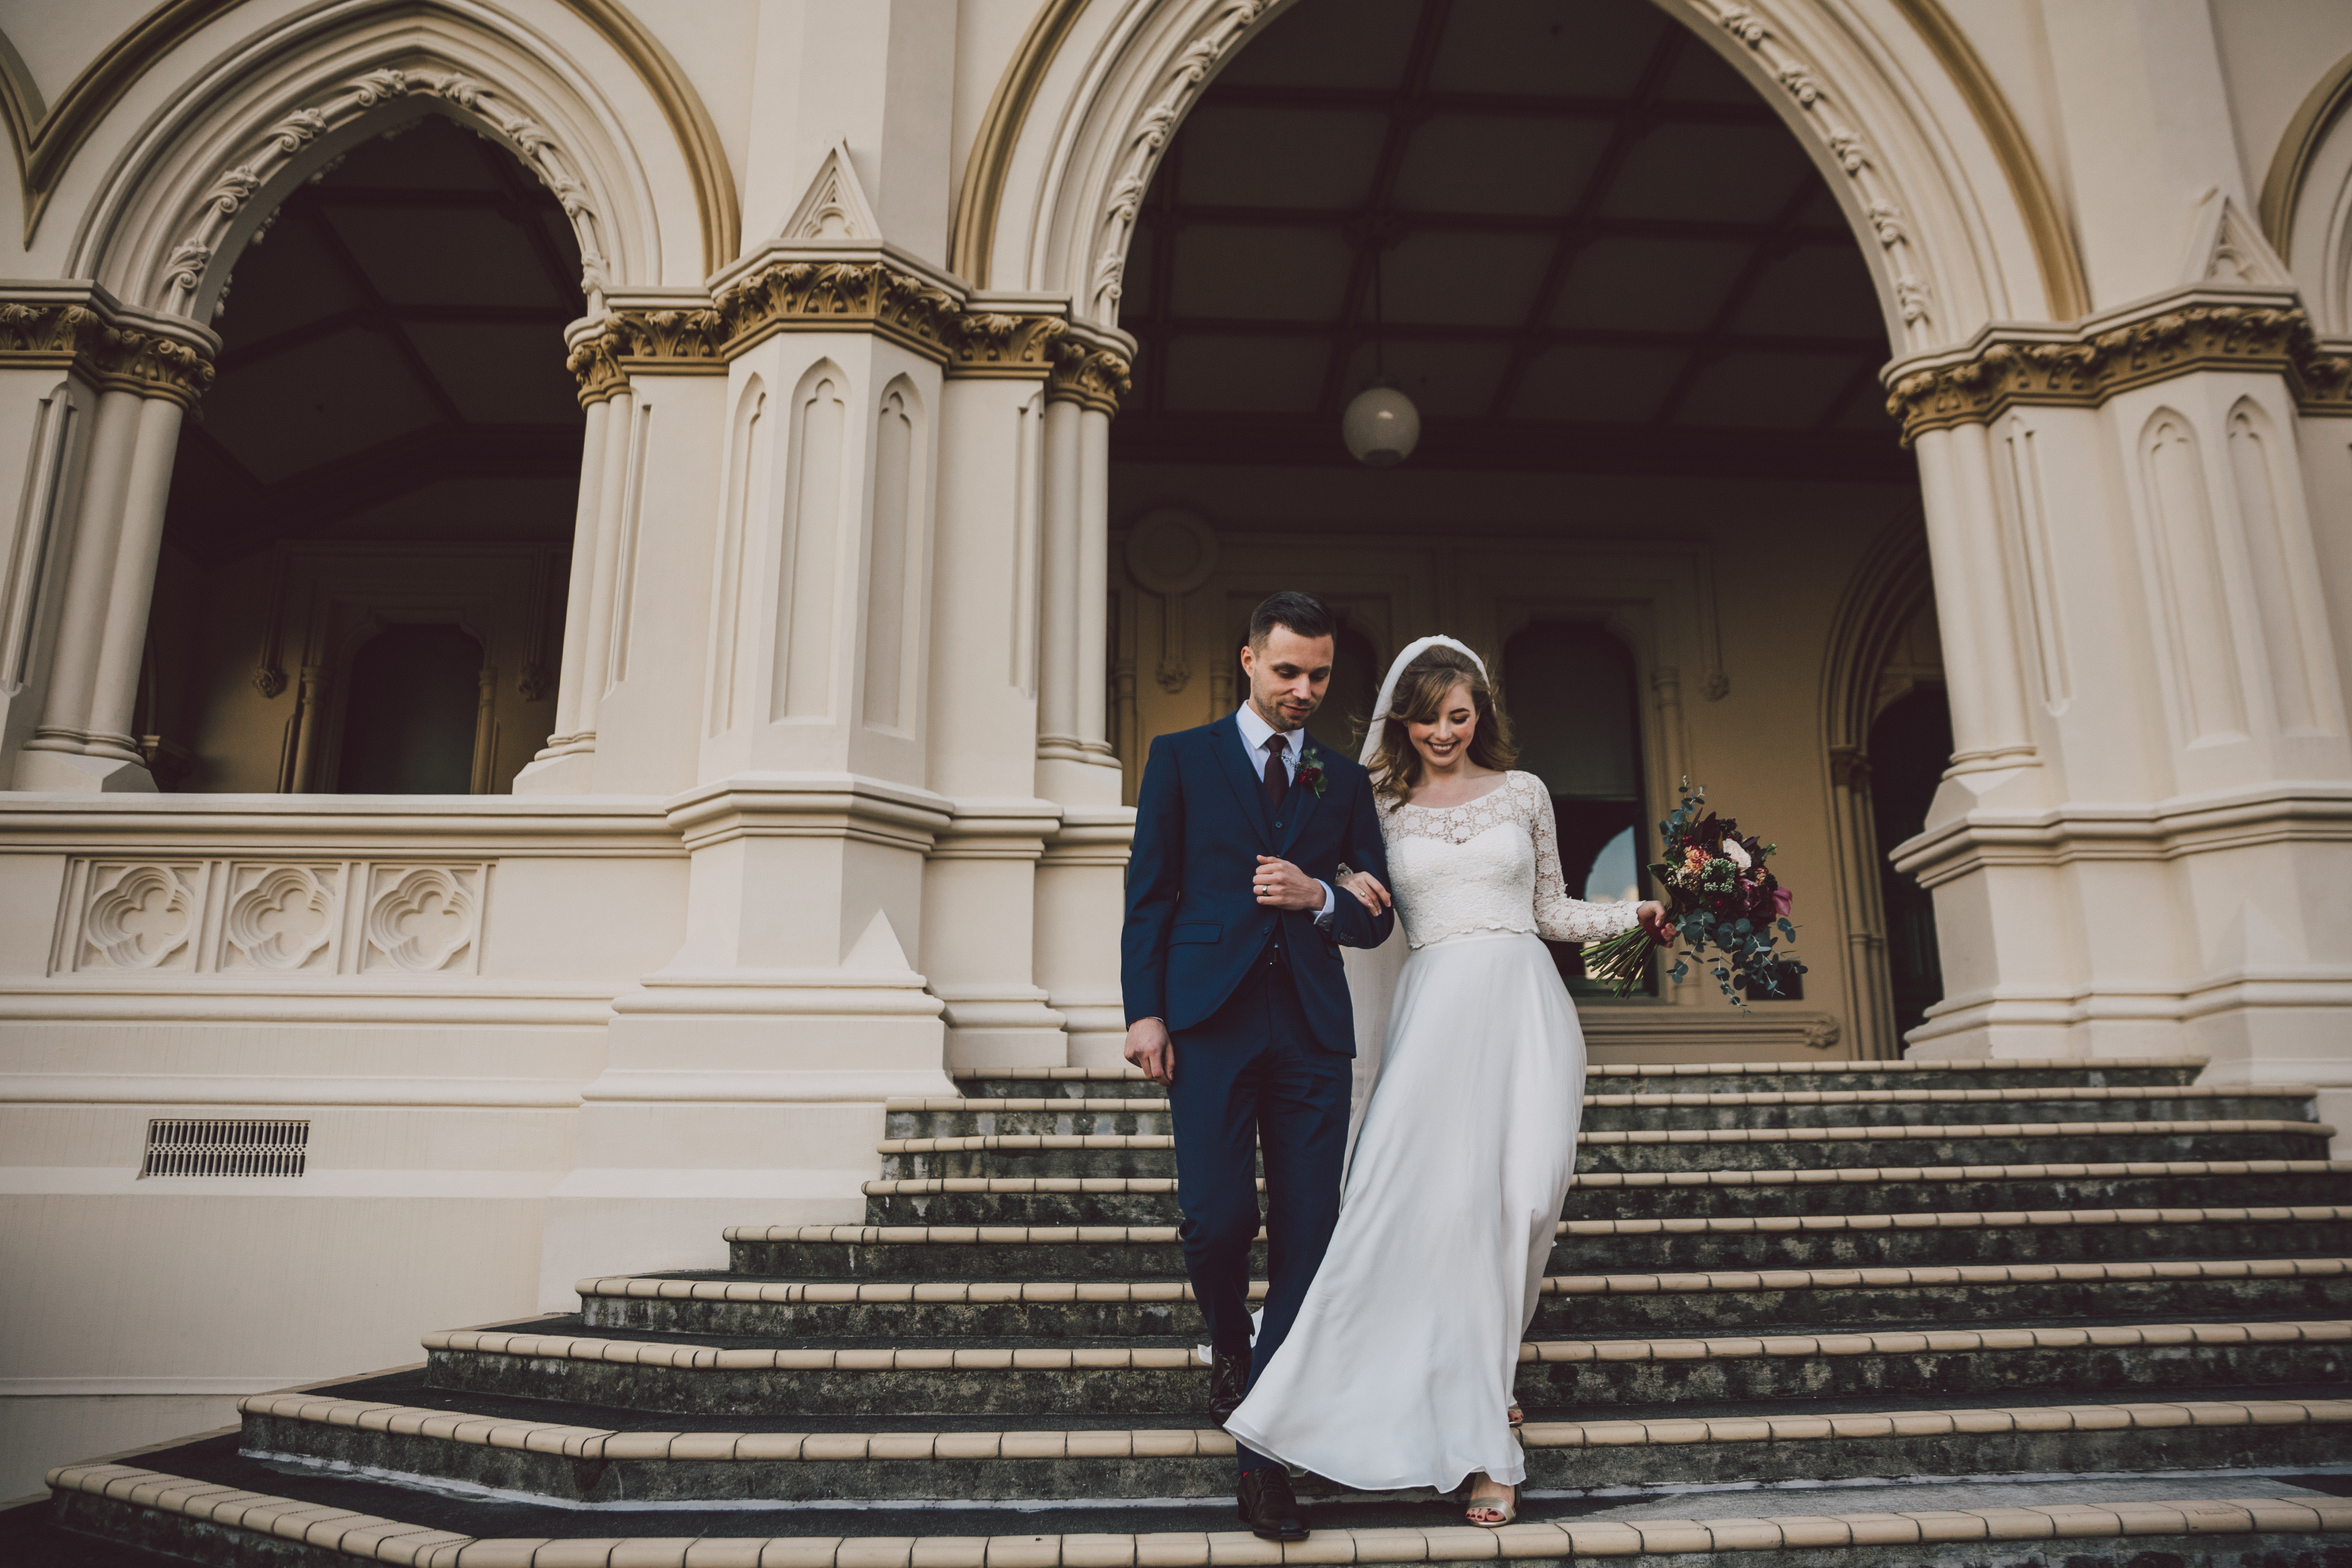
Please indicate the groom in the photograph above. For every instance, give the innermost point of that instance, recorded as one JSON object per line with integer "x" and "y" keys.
{"x": 1237, "y": 998}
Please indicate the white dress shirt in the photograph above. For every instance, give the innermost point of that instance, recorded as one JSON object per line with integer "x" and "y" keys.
{"x": 1255, "y": 734}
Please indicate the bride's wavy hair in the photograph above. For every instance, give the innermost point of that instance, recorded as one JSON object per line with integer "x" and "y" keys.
{"x": 1420, "y": 694}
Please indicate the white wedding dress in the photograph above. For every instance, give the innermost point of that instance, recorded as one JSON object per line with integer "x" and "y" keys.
{"x": 1399, "y": 1370}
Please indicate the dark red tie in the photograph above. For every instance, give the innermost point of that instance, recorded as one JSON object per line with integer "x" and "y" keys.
{"x": 1277, "y": 778}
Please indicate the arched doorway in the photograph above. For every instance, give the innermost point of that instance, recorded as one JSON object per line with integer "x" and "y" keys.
{"x": 392, "y": 438}
{"x": 1645, "y": 344}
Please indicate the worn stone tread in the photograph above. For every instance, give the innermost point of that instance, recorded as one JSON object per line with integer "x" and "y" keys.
{"x": 1938, "y": 1219}
{"x": 1891, "y": 1132}
{"x": 690, "y": 1357}
{"x": 1605, "y": 1180}
{"x": 1668, "y": 1100}
{"x": 372, "y": 1538}
{"x": 579, "y": 1442}
{"x": 671, "y": 1288}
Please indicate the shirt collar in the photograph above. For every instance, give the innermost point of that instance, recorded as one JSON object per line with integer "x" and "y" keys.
{"x": 1255, "y": 730}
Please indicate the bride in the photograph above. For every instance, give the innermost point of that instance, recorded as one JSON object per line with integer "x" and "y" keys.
{"x": 1399, "y": 1370}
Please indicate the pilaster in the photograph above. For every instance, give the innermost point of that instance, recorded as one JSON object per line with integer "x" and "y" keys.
{"x": 2151, "y": 798}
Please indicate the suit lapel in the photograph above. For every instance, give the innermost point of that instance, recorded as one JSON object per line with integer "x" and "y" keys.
{"x": 1225, "y": 745}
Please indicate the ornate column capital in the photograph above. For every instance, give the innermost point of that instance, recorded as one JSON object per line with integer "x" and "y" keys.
{"x": 1093, "y": 374}
{"x": 2082, "y": 367}
{"x": 78, "y": 327}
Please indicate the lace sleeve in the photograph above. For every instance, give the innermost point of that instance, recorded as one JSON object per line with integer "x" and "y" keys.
{"x": 1560, "y": 918}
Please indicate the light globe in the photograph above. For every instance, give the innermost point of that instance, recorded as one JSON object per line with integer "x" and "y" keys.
{"x": 1380, "y": 426}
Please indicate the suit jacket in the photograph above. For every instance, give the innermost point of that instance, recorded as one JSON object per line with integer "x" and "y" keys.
{"x": 1193, "y": 927}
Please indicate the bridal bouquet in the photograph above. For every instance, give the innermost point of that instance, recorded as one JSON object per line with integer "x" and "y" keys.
{"x": 1718, "y": 893}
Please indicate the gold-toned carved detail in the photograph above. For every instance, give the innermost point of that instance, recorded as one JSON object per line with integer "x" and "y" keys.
{"x": 1096, "y": 377}
{"x": 804, "y": 295}
{"x": 48, "y": 334}
{"x": 151, "y": 365}
{"x": 995, "y": 343}
{"x": 58, "y": 333}
{"x": 2085, "y": 373}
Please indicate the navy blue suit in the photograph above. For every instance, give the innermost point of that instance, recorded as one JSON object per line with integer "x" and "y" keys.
{"x": 1256, "y": 1000}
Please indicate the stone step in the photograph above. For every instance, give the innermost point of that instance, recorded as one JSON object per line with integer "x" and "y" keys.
{"x": 707, "y": 1377}
{"x": 1144, "y": 1154}
{"x": 1587, "y": 1304}
{"x": 1605, "y": 1246}
{"x": 948, "y": 1116}
{"x": 1077, "y": 1083}
{"x": 2172, "y": 1183}
{"x": 303, "y": 1523}
{"x": 555, "y": 1455}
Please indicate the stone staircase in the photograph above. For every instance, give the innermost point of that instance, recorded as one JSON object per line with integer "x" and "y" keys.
{"x": 2113, "y": 1304}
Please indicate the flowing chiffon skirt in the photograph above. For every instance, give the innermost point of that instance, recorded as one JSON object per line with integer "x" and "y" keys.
{"x": 1399, "y": 1370}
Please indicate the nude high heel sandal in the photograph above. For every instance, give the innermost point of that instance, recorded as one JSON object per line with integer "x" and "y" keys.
{"x": 1491, "y": 1512}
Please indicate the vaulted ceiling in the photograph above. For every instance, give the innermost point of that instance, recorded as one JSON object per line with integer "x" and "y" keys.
{"x": 1592, "y": 243}
{"x": 392, "y": 360}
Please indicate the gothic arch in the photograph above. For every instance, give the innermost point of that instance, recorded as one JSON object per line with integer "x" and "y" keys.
{"x": 1952, "y": 214}
{"x": 191, "y": 184}
{"x": 1888, "y": 590}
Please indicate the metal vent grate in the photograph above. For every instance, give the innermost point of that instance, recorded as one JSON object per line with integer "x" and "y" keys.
{"x": 225, "y": 1147}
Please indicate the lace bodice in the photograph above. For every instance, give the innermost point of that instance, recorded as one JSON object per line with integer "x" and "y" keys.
{"x": 1491, "y": 865}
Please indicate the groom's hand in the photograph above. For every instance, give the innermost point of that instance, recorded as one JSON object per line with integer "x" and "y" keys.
{"x": 1279, "y": 885}
{"x": 1149, "y": 1047}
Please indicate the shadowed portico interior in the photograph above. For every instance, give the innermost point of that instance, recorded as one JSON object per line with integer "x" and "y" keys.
{"x": 392, "y": 444}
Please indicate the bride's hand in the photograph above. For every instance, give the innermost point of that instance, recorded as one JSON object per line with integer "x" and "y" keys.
{"x": 1367, "y": 890}
{"x": 1652, "y": 915}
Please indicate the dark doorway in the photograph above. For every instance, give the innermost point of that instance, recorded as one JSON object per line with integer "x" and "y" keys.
{"x": 1356, "y": 671}
{"x": 409, "y": 711}
{"x": 1570, "y": 690}
{"x": 1910, "y": 746}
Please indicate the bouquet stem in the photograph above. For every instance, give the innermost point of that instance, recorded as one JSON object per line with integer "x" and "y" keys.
{"x": 1619, "y": 961}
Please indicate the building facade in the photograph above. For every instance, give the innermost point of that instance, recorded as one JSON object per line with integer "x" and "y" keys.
{"x": 627, "y": 637}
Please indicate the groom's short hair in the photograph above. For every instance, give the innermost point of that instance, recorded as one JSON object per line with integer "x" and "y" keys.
{"x": 1302, "y": 613}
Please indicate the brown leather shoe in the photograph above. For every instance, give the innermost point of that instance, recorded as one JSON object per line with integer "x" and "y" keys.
{"x": 1228, "y": 1382}
{"x": 1268, "y": 1505}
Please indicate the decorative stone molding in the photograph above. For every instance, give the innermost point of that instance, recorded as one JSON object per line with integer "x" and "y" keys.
{"x": 2085, "y": 367}
{"x": 86, "y": 332}
{"x": 1088, "y": 374}
{"x": 1146, "y": 138}
{"x": 868, "y": 289}
{"x": 139, "y": 917}
{"x": 998, "y": 343}
{"x": 184, "y": 272}
{"x": 315, "y": 919}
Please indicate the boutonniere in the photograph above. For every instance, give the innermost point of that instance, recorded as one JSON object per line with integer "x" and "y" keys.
{"x": 1310, "y": 769}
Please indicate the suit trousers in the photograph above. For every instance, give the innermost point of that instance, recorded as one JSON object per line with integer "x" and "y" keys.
{"x": 1251, "y": 1082}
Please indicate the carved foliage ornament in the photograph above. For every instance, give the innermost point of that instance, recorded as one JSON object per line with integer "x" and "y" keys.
{"x": 63, "y": 333}
{"x": 234, "y": 187}
{"x": 1147, "y": 138}
{"x": 1912, "y": 297}
{"x": 835, "y": 295}
{"x": 2085, "y": 372}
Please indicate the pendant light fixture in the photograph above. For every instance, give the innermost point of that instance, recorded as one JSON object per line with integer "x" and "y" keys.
{"x": 1380, "y": 426}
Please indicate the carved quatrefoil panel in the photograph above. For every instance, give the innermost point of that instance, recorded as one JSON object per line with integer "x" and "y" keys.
{"x": 140, "y": 916}
{"x": 284, "y": 917}
{"x": 420, "y": 918}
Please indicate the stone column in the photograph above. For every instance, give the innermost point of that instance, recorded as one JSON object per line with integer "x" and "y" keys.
{"x": 1081, "y": 877}
{"x": 2127, "y": 858}
{"x": 84, "y": 740}
{"x": 566, "y": 764}
{"x": 980, "y": 884}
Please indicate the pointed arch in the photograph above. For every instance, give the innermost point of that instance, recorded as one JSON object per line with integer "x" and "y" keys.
{"x": 1950, "y": 210}
{"x": 189, "y": 186}
{"x": 46, "y": 137}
